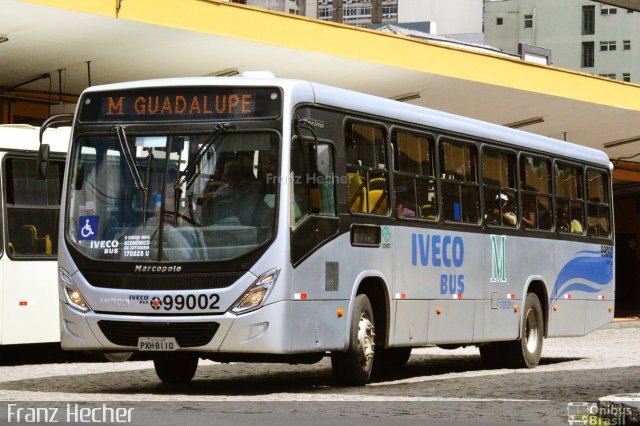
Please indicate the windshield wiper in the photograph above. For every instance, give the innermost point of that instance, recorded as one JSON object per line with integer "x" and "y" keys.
{"x": 128, "y": 158}
{"x": 188, "y": 174}
{"x": 133, "y": 170}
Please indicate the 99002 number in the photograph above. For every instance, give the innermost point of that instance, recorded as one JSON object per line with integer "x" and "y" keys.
{"x": 190, "y": 302}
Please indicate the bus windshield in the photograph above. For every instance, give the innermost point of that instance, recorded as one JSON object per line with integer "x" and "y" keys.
{"x": 172, "y": 197}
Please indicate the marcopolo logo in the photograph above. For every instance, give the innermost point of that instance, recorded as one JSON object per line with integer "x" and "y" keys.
{"x": 161, "y": 269}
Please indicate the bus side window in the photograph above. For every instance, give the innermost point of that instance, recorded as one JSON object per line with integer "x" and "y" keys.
{"x": 33, "y": 207}
{"x": 367, "y": 172}
{"x": 312, "y": 180}
{"x": 598, "y": 212}
{"x": 414, "y": 178}
{"x": 569, "y": 199}
{"x": 499, "y": 188}
{"x": 460, "y": 200}
{"x": 535, "y": 186}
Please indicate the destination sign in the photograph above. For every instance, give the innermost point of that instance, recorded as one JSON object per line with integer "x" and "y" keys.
{"x": 180, "y": 104}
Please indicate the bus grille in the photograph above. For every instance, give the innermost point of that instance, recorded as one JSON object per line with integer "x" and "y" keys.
{"x": 162, "y": 281}
{"x": 187, "y": 334}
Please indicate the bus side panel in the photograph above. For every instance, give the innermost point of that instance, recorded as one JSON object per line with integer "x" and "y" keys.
{"x": 329, "y": 274}
{"x": 567, "y": 318}
{"x": 585, "y": 274}
{"x": 440, "y": 267}
{"x": 411, "y": 322}
{"x": 30, "y": 311}
{"x": 318, "y": 326}
{"x": 451, "y": 321}
{"x": 3, "y": 317}
{"x": 598, "y": 314}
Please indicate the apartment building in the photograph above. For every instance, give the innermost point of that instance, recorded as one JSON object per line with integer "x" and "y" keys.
{"x": 583, "y": 35}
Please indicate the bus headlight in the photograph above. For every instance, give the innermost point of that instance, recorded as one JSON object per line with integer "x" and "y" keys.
{"x": 257, "y": 293}
{"x": 73, "y": 296}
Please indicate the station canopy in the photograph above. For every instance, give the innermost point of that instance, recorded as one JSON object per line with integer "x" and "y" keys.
{"x": 124, "y": 40}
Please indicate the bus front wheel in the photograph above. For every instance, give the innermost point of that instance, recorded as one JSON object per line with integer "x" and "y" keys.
{"x": 526, "y": 351}
{"x": 353, "y": 367}
{"x": 176, "y": 368}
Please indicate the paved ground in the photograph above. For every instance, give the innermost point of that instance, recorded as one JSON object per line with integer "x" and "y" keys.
{"x": 437, "y": 386}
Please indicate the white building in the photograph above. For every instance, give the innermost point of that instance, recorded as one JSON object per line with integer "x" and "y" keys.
{"x": 584, "y": 35}
{"x": 296, "y": 7}
{"x": 450, "y": 17}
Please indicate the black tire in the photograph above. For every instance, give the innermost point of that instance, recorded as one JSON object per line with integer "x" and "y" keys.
{"x": 390, "y": 360}
{"x": 176, "y": 368}
{"x": 526, "y": 352}
{"x": 353, "y": 367}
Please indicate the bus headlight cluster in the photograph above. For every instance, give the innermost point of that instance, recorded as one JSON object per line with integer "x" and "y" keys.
{"x": 73, "y": 296}
{"x": 257, "y": 293}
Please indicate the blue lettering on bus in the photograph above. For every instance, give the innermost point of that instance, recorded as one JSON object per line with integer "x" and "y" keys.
{"x": 452, "y": 284}
{"x": 442, "y": 250}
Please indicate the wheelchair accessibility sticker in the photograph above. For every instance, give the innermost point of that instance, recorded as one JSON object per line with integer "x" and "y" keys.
{"x": 88, "y": 228}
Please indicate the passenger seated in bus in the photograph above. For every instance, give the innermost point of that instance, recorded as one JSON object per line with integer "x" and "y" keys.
{"x": 576, "y": 222}
{"x": 236, "y": 198}
{"x": 402, "y": 197}
{"x": 501, "y": 212}
{"x": 529, "y": 212}
{"x": 238, "y": 181}
{"x": 574, "y": 225}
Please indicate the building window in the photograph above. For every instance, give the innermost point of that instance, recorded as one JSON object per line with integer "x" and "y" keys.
{"x": 626, "y": 44}
{"x": 528, "y": 21}
{"x": 498, "y": 21}
{"x": 607, "y": 46}
{"x": 626, "y": 77}
{"x": 611, "y": 76}
{"x": 588, "y": 19}
{"x": 608, "y": 10}
{"x": 588, "y": 48}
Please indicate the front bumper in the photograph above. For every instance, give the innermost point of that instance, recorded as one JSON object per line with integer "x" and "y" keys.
{"x": 260, "y": 331}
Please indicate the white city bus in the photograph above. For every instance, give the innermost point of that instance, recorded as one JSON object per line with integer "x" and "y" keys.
{"x": 268, "y": 220}
{"x": 29, "y": 303}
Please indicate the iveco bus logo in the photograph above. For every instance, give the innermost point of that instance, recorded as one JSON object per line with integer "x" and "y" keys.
{"x": 158, "y": 268}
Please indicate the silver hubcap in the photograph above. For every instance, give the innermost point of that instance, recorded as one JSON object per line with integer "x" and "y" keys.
{"x": 366, "y": 342}
{"x": 531, "y": 331}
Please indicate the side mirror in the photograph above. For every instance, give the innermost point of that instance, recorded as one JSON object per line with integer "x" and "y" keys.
{"x": 43, "y": 162}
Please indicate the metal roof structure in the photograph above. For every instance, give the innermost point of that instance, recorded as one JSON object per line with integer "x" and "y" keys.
{"x": 127, "y": 40}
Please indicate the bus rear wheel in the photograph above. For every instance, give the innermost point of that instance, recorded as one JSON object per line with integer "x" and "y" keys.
{"x": 353, "y": 367}
{"x": 526, "y": 352}
{"x": 176, "y": 368}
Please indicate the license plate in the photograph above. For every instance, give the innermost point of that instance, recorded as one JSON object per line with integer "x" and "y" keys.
{"x": 157, "y": 344}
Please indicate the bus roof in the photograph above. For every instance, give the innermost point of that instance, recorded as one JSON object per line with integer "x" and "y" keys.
{"x": 22, "y": 137}
{"x": 342, "y": 98}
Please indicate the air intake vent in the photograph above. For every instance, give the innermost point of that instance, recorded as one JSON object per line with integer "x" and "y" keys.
{"x": 162, "y": 281}
{"x": 187, "y": 334}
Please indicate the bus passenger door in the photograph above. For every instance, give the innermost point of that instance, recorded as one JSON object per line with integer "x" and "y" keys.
{"x": 2, "y": 290}
{"x": 30, "y": 302}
